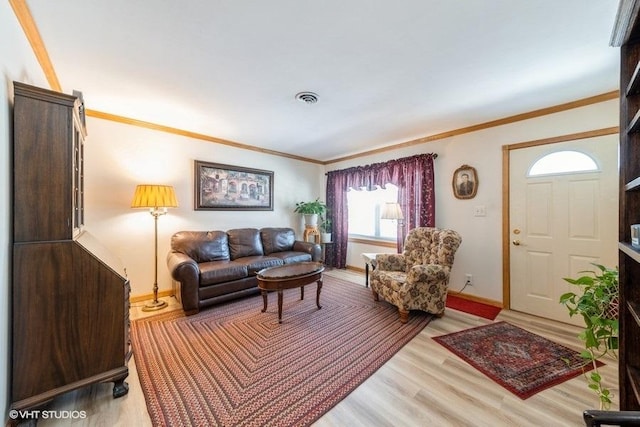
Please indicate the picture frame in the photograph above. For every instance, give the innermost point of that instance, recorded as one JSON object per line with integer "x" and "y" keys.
{"x": 465, "y": 182}
{"x": 226, "y": 187}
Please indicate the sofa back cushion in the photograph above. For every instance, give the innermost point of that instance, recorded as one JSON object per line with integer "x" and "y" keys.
{"x": 244, "y": 242}
{"x": 202, "y": 246}
{"x": 277, "y": 239}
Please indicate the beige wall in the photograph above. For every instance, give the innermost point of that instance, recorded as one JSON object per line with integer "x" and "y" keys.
{"x": 120, "y": 156}
{"x": 481, "y": 251}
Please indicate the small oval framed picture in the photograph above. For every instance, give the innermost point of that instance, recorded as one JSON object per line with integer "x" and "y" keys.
{"x": 465, "y": 182}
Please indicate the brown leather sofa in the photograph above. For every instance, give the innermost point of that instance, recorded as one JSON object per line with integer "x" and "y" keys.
{"x": 215, "y": 266}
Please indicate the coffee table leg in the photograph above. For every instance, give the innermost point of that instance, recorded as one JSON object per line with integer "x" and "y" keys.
{"x": 318, "y": 294}
{"x": 264, "y": 300}
{"x": 301, "y": 292}
{"x": 279, "y": 305}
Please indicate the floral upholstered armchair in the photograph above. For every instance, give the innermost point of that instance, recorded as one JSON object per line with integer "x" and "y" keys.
{"x": 417, "y": 279}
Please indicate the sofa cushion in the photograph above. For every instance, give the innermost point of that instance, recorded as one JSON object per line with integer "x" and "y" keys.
{"x": 244, "y": 242}
{"x": 393, "y": 280}
{"x": 228, "y": 290}
{"x": 221, "y": 271}
{"x": 290, "y": 257}
{"x": 277, "y": 239}
{"x": 202, "y": 246}
{"x": 257, "y": 263}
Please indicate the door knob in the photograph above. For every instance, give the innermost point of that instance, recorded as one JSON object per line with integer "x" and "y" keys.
{"x": 516, "y": 242}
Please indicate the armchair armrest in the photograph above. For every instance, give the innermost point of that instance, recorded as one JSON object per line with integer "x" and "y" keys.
{"x": 313, "y": 249}
{"x": 185, "y": 270}
{"x": 390, "y": 262}
{"x": 428, "y": 273}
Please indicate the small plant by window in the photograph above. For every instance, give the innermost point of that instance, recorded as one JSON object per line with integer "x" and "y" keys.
{"x": 316, "y": 207}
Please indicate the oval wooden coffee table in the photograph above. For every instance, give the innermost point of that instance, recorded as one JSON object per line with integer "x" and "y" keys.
{"x": 287, "y": 277}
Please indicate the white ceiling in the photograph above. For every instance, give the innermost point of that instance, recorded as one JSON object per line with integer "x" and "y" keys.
{"x": 385, "y": 72}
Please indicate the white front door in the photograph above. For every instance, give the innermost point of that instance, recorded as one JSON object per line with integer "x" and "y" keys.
{"x": 560, "y": 224}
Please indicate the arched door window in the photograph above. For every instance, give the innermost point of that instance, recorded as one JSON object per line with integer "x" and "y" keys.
{"x": 561, "y": 162}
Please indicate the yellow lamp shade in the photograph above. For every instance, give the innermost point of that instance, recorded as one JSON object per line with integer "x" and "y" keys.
{"x": 154, "y": 196}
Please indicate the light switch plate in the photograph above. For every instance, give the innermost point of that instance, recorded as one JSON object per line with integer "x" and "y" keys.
{"x": 480, "y": 210}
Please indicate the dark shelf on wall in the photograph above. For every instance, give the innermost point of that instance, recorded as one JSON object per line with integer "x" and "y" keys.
{"x": 630, "y": 251}
{"x": 633, "y": 87}
{"x": 633, "y": 185}
{"x": 626, "y": 35}
{"x": 634, "y": 309}
{"x": 634, "y": 375}
{"x": 634, "y": 124}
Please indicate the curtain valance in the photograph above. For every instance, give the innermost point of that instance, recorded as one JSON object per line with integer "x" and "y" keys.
{"x": 414, "y": 178}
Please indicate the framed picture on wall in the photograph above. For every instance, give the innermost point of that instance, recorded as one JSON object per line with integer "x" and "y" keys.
{"x": 465, "y": 182}
{"x": 226, "y": 187}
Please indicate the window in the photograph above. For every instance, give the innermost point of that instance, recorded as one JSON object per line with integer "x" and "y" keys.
{"x": 365, "y": 208}
{"x": 563, "y": 162}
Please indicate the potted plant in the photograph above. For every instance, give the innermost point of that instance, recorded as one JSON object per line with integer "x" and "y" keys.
{"x": 325, "y": 229}
{"x": 311, "y": 211}
{"x": 598, "y": 306}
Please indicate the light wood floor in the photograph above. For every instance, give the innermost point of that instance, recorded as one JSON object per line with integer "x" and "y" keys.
{"x": 422, "y": 385}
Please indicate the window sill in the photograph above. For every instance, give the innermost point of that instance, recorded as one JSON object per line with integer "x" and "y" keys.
{"x": 373, "y": 241}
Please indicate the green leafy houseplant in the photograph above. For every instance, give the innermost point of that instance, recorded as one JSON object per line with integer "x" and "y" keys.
{"x": 325, "y": 225}
{"x": 598, "y": 306}
{"x": 316, "y": 207}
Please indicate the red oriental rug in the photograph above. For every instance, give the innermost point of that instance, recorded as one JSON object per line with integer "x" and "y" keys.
{"x": 232, "y": 365}
{"x": 520, "y": 361}
{"x": 472, "y": 307}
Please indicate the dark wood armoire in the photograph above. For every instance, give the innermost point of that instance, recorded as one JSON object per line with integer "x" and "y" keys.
{"x": 70, "y": 296}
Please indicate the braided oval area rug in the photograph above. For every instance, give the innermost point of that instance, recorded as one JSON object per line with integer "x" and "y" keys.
{"x": 232, "y": 365}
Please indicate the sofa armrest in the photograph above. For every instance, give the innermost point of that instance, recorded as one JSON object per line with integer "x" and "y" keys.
{"x": 390, "y": 262}
{"x": 313, "y": 249}
{"x": 431, "y": 273}
{"x": 185, "y": 270}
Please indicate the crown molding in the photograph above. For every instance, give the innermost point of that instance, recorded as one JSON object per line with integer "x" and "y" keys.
{"x": 30, "y": 29}
{"x": 25, "y": 18}
{"x": 194, "y": 135}
{"x": 486, "y": 125}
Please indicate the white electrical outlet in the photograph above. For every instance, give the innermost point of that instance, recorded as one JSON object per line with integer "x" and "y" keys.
{"x": 468, "y": 279}
{"x": 480, "y": 210}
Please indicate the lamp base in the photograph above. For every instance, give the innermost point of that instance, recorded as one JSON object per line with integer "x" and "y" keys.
{"x": 154, "y": 305}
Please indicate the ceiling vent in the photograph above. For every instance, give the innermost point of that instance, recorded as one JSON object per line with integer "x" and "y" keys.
{"x": 307, "y": 97}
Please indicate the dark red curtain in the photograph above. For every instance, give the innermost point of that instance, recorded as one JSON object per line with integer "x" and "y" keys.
{"x": 414, "y": 178}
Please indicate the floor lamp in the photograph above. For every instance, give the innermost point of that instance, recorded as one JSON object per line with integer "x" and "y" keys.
{"x": 157, "y": 198}
{"x": 392, "y": 210}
